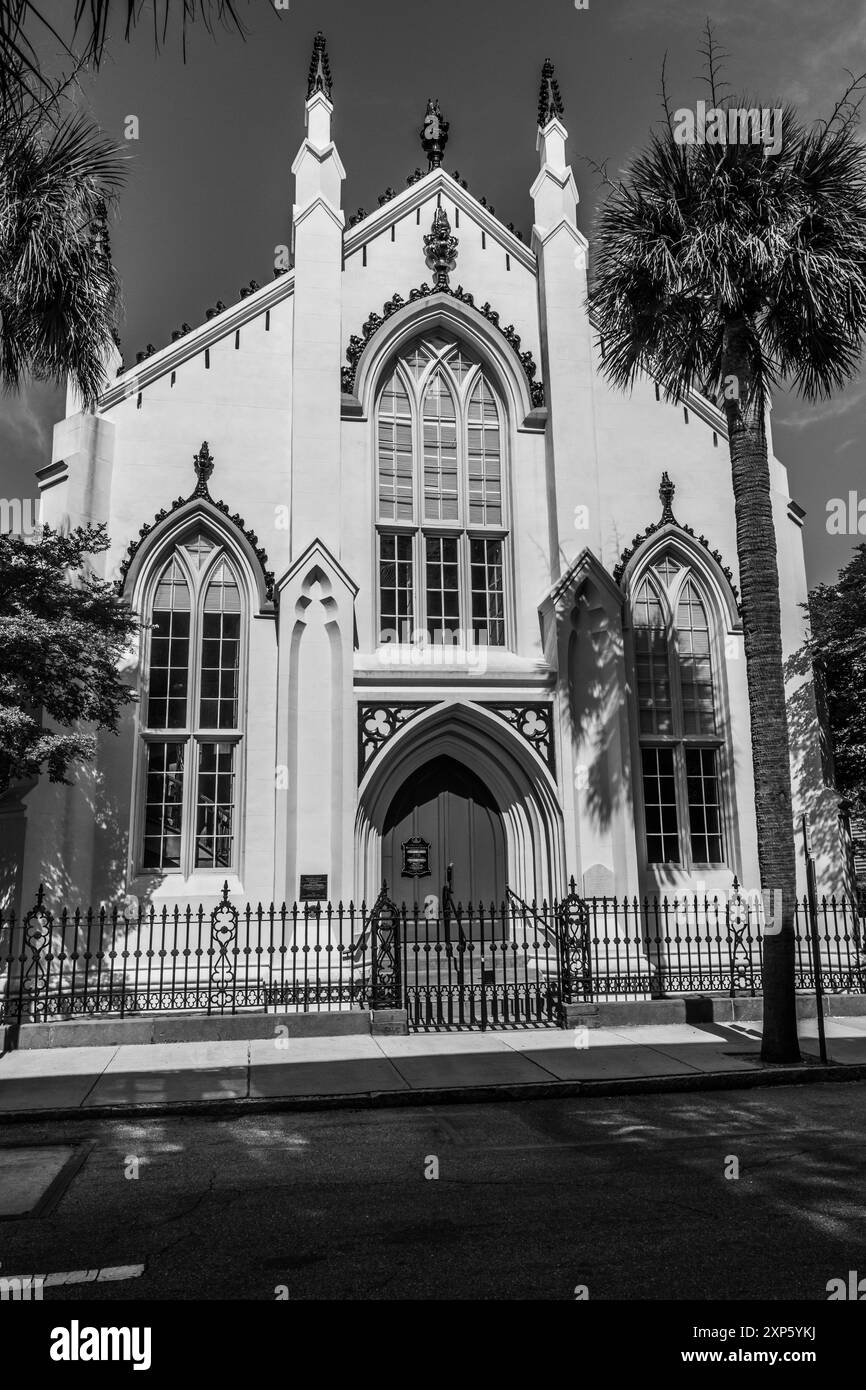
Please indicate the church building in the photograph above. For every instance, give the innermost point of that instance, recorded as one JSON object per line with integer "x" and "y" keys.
{"x": 423, "y": 598}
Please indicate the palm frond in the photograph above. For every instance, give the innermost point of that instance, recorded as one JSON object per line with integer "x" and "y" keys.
{"x": 59, "y": 291}
{"x": 698, "y": 238}
{"x": 24, "y": 23}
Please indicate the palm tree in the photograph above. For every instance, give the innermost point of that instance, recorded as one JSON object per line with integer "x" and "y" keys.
{"x": 59, "y": 291}
{"x": 25, "y": 23}
{"x": 719, "y": 267}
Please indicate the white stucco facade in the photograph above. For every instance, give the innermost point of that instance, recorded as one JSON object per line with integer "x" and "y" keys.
{"x": 294, "y": 475}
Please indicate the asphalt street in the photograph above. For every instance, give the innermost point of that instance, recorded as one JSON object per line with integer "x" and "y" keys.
{"x": 633, "y": 1198}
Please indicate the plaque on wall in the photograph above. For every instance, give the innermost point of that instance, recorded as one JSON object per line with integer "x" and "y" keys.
{"x": 314, "y": 888}
{"x": 416, "y": 858}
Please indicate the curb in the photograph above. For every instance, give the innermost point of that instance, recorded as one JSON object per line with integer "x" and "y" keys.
{"x": 782, "y": 1075}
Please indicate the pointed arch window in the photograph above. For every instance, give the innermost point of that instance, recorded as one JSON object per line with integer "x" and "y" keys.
{"x": 678, "y": 717}
{"x": 440, "y": 452}
{"x": 442, "y": 532}
{"x": 396, "y": 482}
{"x": 191, "y": 729}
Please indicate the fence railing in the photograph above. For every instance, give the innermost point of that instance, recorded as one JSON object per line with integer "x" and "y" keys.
{"x": 474, "y": 966}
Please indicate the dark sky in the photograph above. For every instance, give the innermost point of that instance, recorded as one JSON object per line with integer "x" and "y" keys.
{"x": 210, "y": 188}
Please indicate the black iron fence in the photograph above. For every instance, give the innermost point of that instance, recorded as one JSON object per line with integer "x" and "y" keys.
{"x": 512, "y": 965}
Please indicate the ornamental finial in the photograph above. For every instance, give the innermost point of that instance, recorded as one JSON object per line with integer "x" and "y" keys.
{"x": 440, "y": 249}
{"x": 203, "y": 465}
{"x": 666, "y": 495}
{"x": 434, "y": 134}
{"x": 320, "y": 69}
{"x": 549, "y": 98}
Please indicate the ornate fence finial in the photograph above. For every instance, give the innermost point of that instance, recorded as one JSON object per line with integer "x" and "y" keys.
{"x": 320, "y": 69}
{"x": 203, "y": 465}
{"x": 434, "y": 134}
{"x": 549, "y": 98}
{"x": 440, "y": 248}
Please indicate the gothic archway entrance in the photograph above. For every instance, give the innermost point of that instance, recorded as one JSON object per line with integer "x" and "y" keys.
{"x": 444, "y": 814}
{"x": 513, "y": 786}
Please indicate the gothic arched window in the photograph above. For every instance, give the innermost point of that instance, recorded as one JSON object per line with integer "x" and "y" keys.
{"x": 441, "y": 513}
{"x": 678, "y": 717}
{"x": 191, "y": 720}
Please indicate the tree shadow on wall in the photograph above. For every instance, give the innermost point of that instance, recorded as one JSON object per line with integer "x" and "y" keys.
{"x": 594, "y": 693}
{"x": 812, "y": 754}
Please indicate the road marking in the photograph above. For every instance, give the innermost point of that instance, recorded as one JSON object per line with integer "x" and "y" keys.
{"x": 94, "y": 1276}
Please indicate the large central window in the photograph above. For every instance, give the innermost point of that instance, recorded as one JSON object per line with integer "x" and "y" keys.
{"x": 191, "y": 711}
{"x": 440, "y": 505}
{"x": 681, "y": 740}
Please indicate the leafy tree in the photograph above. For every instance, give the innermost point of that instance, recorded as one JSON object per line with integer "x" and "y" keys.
{"x": 720, "y": 267}
{"x": 63, "y": 632}
{"x": 837, "y": 646}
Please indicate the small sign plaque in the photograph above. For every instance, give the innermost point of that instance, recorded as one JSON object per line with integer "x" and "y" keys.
{"x": 314, "y": 888}
{"x": 416, "y": 858}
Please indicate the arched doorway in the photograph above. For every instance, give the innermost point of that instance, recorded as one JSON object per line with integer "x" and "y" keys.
{"x": 522, "y": 791}
{"x": 448, "y": 807}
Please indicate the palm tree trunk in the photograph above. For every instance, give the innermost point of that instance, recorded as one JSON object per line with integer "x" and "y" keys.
{"x": 759, "y": 585}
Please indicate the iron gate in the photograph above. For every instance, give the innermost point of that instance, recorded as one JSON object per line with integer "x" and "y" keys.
{"x": 477, "y": 968}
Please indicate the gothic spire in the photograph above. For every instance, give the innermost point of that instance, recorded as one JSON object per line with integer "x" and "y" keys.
{"x": 549, "y": 99}
{"x": 320, "y": 69}
{"x": 434, "y": 134}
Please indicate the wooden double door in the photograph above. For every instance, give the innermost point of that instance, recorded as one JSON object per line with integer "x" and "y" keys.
{"x": 446, "y": 806}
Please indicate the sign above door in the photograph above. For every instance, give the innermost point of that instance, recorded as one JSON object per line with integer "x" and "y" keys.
{"x": 416, "y": 858}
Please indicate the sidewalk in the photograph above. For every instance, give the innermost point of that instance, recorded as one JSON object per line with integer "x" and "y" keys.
{"x": 312, "y": 1073}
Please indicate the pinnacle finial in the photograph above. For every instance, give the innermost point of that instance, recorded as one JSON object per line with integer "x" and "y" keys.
{"x": 549, "y": 98}
{"x": 320, "y": 69}
{"x": 666, "y": 497}
{"x": 434, "y": 134}
{"x": 203, "y": 465}
{"x": 440, "y": 249}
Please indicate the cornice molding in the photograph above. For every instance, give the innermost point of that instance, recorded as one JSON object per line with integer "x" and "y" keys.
{"x": 175, "y": 354}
